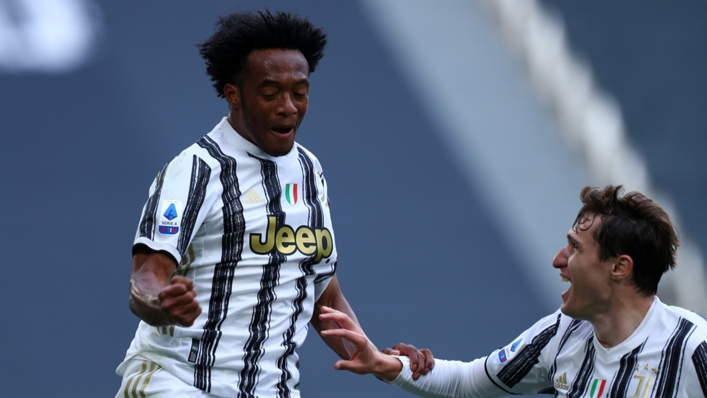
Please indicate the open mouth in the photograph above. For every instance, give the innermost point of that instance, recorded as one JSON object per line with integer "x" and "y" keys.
{"x": 282, "y": 130}
{"x": 565, "y": 294}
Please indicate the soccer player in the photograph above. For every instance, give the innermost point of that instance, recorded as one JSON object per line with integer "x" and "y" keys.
{"x": 612, "y": 337}
{"x": 235, "y": 253}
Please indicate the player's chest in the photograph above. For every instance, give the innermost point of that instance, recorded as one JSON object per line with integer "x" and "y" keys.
{"x": 289, "y": 221}
{"x": 581, "y": 372}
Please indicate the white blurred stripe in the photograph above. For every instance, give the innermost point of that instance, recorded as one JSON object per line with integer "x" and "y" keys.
{"x": 528, "y": 162}
{"x": 492, "y": 124}
{"x": 591, "y": 123}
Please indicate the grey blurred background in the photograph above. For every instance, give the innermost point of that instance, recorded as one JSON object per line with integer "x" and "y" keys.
{"x": 453, "y": 173}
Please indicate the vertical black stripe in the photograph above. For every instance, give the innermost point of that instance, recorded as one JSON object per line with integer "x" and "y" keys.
{"x": 699, "y": 359}
{"x": 581, "y": 382}
{"x": 232, "y": 248}
{"x": 147, "y": 224}
{"x": 627, "y": 367}
{"x": 520, "y": 366}
{"x": 315, "y": 220}
{"x": 671, "y": 360}
{"x": 258, "y": 328}
{"x": 574, "y": 325}
{"x": 200, "y": 173}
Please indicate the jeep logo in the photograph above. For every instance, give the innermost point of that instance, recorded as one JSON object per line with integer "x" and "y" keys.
{"x": 317, "y": 242}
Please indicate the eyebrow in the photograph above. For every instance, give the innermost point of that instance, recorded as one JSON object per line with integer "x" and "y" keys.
{"x": 570, "y": 238}
{"x": 269, "y": 82}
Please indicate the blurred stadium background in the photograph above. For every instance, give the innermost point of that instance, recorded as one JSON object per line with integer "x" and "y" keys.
{"x": 455, "y": 136}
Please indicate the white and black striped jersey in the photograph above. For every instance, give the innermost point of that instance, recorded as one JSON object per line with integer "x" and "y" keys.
{"x": 666, "y": 356}
{"x": 254, "y": 233}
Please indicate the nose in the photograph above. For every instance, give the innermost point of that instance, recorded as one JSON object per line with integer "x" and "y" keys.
{"x": 287, "y": 106}
{"x": 561, "y": 258}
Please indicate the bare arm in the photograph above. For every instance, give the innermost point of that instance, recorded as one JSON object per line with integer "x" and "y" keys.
{"x": 157, "y": 299}
{"x": 449, "y": 379}
{"x": 334, "y": 298}
{"x": 365, "y": 359}
{"x": 421, "y": 361}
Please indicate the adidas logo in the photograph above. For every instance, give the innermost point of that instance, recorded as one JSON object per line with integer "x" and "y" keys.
{"x": 561, "y": 382}
{"x": 252, "y": 197}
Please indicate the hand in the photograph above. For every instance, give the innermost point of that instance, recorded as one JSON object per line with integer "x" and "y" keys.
{"x": 177, "y": 301}
{"x": 364, "y": 357}
{"x": 421, "y": 361}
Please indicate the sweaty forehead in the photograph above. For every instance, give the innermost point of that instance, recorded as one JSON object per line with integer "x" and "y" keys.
{"x": 271, "y": 63}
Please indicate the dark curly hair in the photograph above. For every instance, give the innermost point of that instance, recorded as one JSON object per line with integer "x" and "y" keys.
{"x": 633, "y": 225}
{"x": 226, "y": 51}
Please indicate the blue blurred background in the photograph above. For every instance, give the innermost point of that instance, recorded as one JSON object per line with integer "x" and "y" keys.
{"x": 449, "y": 199}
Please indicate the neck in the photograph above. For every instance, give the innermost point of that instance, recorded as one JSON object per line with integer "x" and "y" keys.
{"x": 231, "y": 120}
{"x": 235, "y": 123}
{"x": 621, "y": 320}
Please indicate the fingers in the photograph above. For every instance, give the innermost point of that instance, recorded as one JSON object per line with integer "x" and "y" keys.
{"x": 351, "y": 366}
{"x": 342, "y": 320}
{"x": 429, "y": 361}
{"x": 390, "y": 351}
{"x": 358, "y": 339}
{"x": 415, "y": 358}
{"x": 178, "y": 301}
{"x": 182, "y": 281}
{"x": 421, "y": 361}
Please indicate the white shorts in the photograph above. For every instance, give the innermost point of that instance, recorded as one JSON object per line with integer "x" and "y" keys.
{"x": 144, "y": 378}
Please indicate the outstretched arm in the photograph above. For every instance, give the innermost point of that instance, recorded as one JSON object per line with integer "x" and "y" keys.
{"x": 332, "y": 297}
{"x": 157, "y": 299}
{"x": 448, "y": 379}
{"x": 365, "y": 358}
{"x": 421, "y": 361}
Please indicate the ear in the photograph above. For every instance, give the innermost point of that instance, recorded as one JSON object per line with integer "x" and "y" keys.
{"x": 233, "y": 95}
{"x": 622, "y": 267}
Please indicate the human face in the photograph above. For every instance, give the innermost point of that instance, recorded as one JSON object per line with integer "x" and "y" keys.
{"x": 590, "y": 291}
{"x": 269, "y": 105}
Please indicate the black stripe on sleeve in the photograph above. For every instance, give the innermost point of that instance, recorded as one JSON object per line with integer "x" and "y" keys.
{"x": 671, "y": 360}
{"x": 232, "y": 248}
{"x": 147, "y": 224}
{"x": 259, "y": 323}
{"x": 200, "y": 173}
{"x": 699, "y": 359}
{"x": 520, "y": 366}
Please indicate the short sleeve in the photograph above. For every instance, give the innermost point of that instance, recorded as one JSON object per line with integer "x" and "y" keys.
{"x": 176, "y": 205}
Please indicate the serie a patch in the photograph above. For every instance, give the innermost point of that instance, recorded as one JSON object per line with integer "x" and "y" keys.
{"x": 508, "y": 352}
{"x": 515, "y": 344}
{"x": 502, "y": 356}
{"x": 170, "y": 217}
